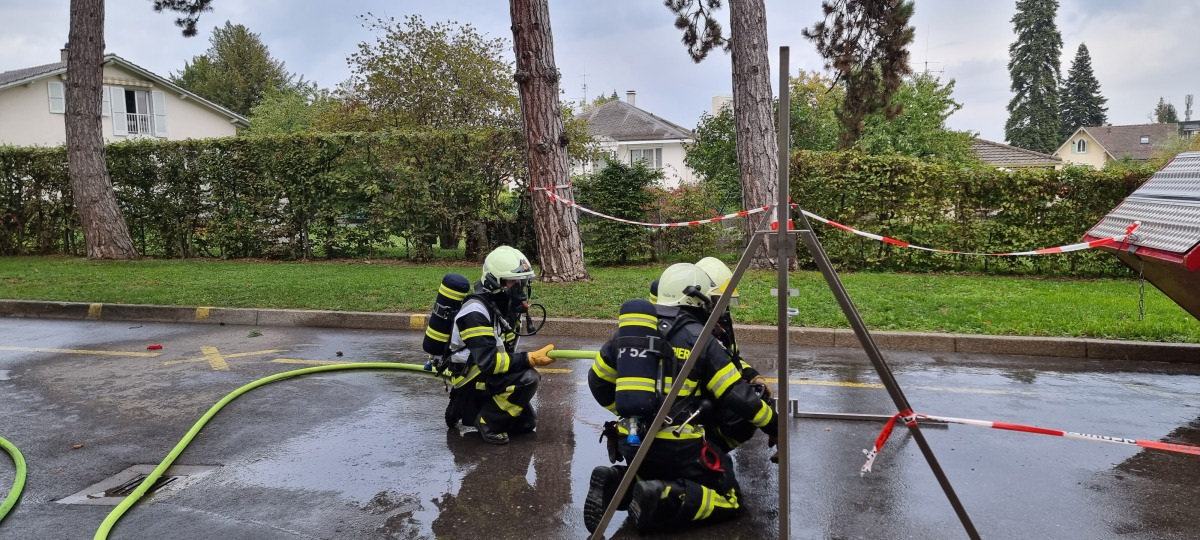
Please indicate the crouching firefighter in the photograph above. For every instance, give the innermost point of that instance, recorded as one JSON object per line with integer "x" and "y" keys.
{"x": 685, "y": 478}
{"x": 493, "y": 384}
{"x": 727, "y": 428}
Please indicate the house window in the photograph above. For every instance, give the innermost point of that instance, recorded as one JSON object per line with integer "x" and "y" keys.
{"x": 1080, "y": 146}
{"x": 138, "y": 112}
{"x": 651, "y": 156}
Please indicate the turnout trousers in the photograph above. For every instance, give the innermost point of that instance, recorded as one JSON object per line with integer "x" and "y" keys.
{"x": 698, "y": 478}
{"x": 494, "y": 403}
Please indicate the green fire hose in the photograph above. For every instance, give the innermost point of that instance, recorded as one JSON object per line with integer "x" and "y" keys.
{"x": 18, "y": 478}
{"x": 111, "y": 520}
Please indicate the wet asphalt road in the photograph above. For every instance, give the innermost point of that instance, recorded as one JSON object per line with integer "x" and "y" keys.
{"x": 365, "y": 454}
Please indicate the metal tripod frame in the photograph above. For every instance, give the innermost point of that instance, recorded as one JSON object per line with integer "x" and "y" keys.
{"x": 785, "y": 249}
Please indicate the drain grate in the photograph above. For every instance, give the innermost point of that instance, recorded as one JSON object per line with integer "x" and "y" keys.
{"x": 112, "y": 490}
{"x": 125, "y": 489}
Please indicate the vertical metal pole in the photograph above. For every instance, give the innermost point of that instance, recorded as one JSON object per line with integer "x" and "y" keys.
{"x": 783, "y": 253}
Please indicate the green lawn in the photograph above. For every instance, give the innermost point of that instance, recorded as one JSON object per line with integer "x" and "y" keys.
{"x": 907, "y": 302}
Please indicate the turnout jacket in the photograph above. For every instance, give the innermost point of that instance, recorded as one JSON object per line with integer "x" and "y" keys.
{"x": 481, "y": 343}
{"x": 715, "y": 375}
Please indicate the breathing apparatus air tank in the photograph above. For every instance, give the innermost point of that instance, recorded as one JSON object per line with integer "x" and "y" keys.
{"x": 639, "y": 365}
{"x": 451, "y": 293}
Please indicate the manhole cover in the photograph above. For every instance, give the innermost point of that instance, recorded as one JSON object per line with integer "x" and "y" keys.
{"x": 112, "y": 490}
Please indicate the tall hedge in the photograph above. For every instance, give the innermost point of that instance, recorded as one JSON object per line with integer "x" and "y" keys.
{"x": 293, "y": 196}
{"x": 960, "y": 208}
{"x": 347, "y": 195}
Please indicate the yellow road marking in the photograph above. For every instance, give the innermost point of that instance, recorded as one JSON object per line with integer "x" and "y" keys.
{"x": 94, "y": 311}
{"x": 303, "y": 361}
{"x": 416, "y": 322}
{"x": 216, "y": 360}
{"x": 554, "y": 370}
{"x": 827, "y": 383}
{"x": 78, "y": 351}
{"x": 203, "y": 312}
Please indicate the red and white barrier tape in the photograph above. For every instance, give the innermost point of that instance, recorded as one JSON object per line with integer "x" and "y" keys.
{"x": 571, "y": 203}
{"x": 908, "y": 417}
{"x": 1044, "y": 251}
{"x": 1119, "y": 239}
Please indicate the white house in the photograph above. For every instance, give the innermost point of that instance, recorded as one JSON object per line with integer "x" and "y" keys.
{"x": 628, "y": 134}
{"x": 135, "y": 103}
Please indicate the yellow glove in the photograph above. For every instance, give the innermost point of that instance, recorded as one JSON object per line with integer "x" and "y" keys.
{"x": 538, "y": 358}
{"x": 768, "y": 393}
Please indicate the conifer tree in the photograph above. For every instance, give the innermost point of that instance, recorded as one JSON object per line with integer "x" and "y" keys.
{"x": 1164, "y": 112}
{"x": 1082, "y": 104}
{"x": 1033, "y": 66}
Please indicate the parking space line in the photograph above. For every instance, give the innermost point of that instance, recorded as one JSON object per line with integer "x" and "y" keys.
{"x": 79, "y": 351}
{"x": 216, "y": 360}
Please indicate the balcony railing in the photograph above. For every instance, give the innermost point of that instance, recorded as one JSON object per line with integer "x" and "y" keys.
{"x": 138, "y": 124}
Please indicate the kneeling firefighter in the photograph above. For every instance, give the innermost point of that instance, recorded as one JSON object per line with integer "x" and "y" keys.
{"x": 731, "y": 429}
{"x": 493, "y": 384}
{"x": 684, "y": 478}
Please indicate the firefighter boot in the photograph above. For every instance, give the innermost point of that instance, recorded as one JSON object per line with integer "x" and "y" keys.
{"x": 654, "y": 505}
{"x": 489, "y": 435}
{"x": 603, "y": 486}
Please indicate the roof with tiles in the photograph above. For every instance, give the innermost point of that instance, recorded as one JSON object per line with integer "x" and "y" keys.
{"x": 1003, "y": 155}
{"x": 1127, "y": 141}
{"x": 621, "y": 121}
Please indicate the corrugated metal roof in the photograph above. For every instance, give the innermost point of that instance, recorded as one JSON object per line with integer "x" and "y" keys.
{"x": 1003, "y": 155}
{"x": 621, "y": 121}
{"x": 1168, "y": 205}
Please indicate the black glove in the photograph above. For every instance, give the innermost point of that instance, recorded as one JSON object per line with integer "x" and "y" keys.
{"x": 610, "y": 431}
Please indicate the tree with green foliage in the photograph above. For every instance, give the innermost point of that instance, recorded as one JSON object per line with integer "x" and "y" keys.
{"x": 757, "y": 140}
{"x": 602, "y": 99}
{"x": 303, "y": 109}
{"x": 816, "y": 104}
{"x": 1082, "y": 104}
{"x": 815, "y": 99}
{"x": 866, "y": 43}
{"x": 441, "y": 75}
{"x": 920, "y": 129}
{"x": 236, "y": 72}
{"x": 1033, "y": 67}
{"x": 618, "y": 190}
{"x": 1164, "y": 113}
{"x": 712, "y": 155}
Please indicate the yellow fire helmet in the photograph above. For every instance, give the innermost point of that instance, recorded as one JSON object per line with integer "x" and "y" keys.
{"x": 502, "y": 264}
{"x": 720, "y": 274}
{"x": 674, "y": 284}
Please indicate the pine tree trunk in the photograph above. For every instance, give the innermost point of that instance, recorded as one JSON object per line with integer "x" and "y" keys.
{"x": 757, "y": 145}
{"x": 560, "y": 250}
{"x": 104, "y": 230}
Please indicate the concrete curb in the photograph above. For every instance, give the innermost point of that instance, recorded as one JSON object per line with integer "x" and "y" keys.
{"x": 1097, "y": 349}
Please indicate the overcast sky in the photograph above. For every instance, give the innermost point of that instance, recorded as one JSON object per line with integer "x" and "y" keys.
{"x": 1140, "y": 50}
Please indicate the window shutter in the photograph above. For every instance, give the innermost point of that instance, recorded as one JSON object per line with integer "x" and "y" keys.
{"x": 159, "y": 104}
{"x": 118, "y": 111}
{"x": 105, "y": 104}
{"x": 58, "y": 97}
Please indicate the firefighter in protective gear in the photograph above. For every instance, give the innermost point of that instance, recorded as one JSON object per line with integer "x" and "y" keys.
{"x": 492, "y": 383}
{"x": 731, "y": 430}
{"x": 685, "y": 478}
